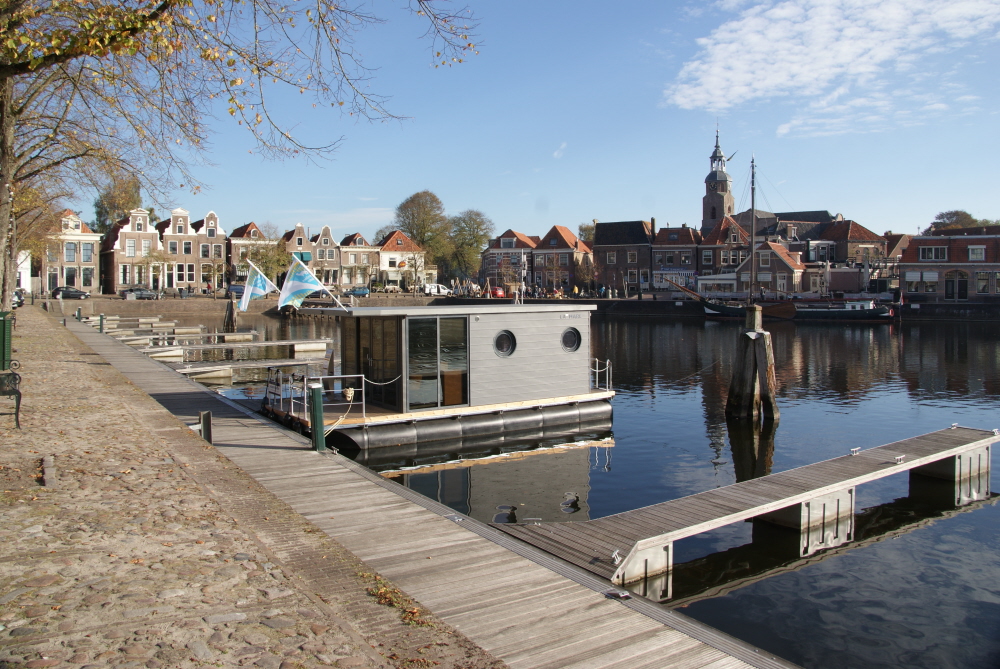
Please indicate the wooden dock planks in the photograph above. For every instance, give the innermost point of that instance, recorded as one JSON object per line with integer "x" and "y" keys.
{"x": 513, "y": 606}
{"x": 591, "y": 544}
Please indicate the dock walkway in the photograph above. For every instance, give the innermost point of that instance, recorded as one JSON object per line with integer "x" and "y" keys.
{"x": 299, "y": 344}
{"x": 624, "y": 547}
{"x": 513, "y": 600}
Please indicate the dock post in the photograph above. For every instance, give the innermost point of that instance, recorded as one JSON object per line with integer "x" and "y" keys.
{"x": 79, "y": 313}
{"x": 102, "y": 324}
{"x": 752, "y": 391}
{"x": 316, "y": 424}
{"x": 205, "y": 418}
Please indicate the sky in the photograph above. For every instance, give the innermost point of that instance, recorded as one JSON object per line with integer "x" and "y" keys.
{"x": 885, "y": 111}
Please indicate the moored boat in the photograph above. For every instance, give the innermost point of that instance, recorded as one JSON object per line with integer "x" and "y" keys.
{"x": 846, "y": 310}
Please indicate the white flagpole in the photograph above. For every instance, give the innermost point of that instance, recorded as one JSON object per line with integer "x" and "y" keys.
{"x": 266, "y": 278}
{"x": 325, "y": 289}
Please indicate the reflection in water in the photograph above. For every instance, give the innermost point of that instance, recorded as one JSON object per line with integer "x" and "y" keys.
{"x": 752, "y": 445}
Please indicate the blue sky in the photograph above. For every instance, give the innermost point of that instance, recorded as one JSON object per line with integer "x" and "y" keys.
{"x": 883, "y": 111}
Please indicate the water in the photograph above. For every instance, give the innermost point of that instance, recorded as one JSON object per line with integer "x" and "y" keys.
{"x": 926, "y": 595}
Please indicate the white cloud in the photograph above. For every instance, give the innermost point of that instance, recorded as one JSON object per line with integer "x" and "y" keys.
{"x": 829, "y": 57}
{"x": 560, "y": 151}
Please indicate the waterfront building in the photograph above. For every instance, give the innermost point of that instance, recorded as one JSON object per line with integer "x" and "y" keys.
{"x": 238, "y": 245}
{"x": 508, "y": 259}
{"x": 359, "y": 260}
{"x": 676, "y": 257}
{"x": 326, "y": 257}
{"x": 561, "y": 260}
{"x": 953, "y": 265}
{"x": 72, "y": 256}
{"x": 194, "y": 252}
{"x": 131, "y": 254}
{"x": 400, "y": 261}
{"x": 723, "y": 249}
{"x": 778, "y": 269}
{"x": 623, "y": 253}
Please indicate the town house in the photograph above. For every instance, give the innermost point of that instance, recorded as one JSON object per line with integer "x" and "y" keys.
{"x": 131, "y": 254}
{"x": 359, "y": 261}
{"x": 402, "y": 262}
{"x": 508, "y": 259}
{"x": 70, "y": 258}
{"x": 238, "y": 244}
{"x": 194, "y": 252}
{"x": 561, "y": 260}
{"x": 676, "y": 257}
{"x": 326, "y": 257}
{"x": 778, "y": 270}
{"x": 953, "y": 265}
{"x": 622, "y": 253}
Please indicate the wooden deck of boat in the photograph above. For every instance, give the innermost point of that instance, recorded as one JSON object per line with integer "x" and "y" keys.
{"x": 599, "y": 545}
{"x": 514, "y": 601}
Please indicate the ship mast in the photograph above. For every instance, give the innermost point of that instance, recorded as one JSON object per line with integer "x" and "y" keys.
{"x": 753, "y": 228}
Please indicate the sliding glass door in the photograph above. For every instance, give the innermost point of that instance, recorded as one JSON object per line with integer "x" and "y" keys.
{"x": 437, "y": 362}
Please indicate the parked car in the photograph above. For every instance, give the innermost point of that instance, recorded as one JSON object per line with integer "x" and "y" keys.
{"x": 68, "y": 293}
{"x": 140, "y": 293}
{"x": 391, "y": 289}
{"x": 17, "y": 299}
{"x": 358, "y": 291}
{"x": 496, "y": 291}
{"x": 436, "y": 289}
{"x": 235, "y": 291}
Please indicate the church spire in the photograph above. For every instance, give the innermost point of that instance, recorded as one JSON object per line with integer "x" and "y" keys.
{"x": 718, "y": 158}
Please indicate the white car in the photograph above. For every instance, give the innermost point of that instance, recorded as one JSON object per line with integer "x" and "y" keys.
{"x": 436, "y": 289}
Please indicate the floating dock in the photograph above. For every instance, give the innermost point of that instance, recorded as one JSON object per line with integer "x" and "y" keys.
{"x": 817, "y": 500}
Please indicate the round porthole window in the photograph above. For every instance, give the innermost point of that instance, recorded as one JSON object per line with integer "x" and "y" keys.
{"x": 571, "y": 339}
{"x": 504, "y": 343}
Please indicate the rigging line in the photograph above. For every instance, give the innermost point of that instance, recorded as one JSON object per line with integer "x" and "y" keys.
{"x": 746, "y": 189}
{"x": 790, "y": 207}
{"x": 698, "y": 372}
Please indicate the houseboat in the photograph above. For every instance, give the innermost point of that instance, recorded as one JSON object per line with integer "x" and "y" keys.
{"x": 407, "y": 376}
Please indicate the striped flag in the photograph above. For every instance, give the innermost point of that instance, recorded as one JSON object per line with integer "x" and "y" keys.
{"x": 299, "y": 283}
{"x": 258, "y": 285}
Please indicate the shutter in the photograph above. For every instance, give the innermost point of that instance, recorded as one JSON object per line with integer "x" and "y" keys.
{"x": 930, "y": 276}
{"x": 913, "y": 276}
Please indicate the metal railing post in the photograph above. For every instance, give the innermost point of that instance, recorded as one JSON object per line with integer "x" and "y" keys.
{"x": 316, "y": 424}
{"x": 205, "y": 418}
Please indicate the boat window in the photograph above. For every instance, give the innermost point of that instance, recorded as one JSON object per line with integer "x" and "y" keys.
{"x": 438, "y": 362}
{"x": 571, "y": 339}
{"x": 504, "y": 343}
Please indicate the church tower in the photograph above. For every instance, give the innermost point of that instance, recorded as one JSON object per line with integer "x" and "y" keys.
{"x": 718, "y": 201}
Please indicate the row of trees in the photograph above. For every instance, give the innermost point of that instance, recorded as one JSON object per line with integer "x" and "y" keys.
{"x": 93, "y": 92}
{"x": 453, "y": 243}
{"x": 957, "y": 218}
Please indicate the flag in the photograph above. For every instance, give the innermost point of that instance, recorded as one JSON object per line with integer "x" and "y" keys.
{"x": 299, "y": 282}
{"x": 257, "y": 286}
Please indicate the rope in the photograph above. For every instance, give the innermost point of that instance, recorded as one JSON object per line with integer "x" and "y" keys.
{"x": 375, "y": 383}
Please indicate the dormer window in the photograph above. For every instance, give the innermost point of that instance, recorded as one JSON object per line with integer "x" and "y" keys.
{"x": 298, "y": 241}
{"x": 399, "y": 242}
{"x": 326, "y": 242}
{"x": 506, "y": 243}
{"x": 253, "y": 233}
{"x": 138, "y": 226}
{"x": 672, "y": 236}
{"x": 734, "y": 237}
{"x": 211, "y": 232}
{"x": 180, "y": 230}
{"x": 552, "y": 242}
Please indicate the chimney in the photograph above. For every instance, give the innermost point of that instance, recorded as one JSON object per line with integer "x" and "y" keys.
{"x": 684, "y": 225}
{"x": 652, "y": 224}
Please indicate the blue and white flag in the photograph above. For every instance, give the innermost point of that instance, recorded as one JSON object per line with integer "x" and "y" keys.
{"x": 299, "y": 283}
{"x": 258, "y": 285}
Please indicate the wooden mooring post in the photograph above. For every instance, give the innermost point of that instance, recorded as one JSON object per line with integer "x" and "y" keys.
{"x": 752, "y": 391}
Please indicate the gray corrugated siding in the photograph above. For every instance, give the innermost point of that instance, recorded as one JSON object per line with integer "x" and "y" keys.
{"x": 538, "y": 368}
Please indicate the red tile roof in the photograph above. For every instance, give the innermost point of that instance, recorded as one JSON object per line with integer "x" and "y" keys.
{"x": 244, "y": 231}
{"x": 522, "y": 241}
{"x": 782, "y": 253}
{"x": 85, "y": 228}
{"x": 408, "y": 245}
{"x": 720, "y": 234}
{"x": 563, "y": 236}
{"x": 354, "y": 240}
{"x": 849, "y": 231}
{"x": 677, "y": 237}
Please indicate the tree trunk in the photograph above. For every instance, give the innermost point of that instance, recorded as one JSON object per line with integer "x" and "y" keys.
{"x": 7, "y": 267}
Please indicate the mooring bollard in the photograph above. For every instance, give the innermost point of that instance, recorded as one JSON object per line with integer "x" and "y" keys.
{"x": 102, "y": 324}
{"x": 205, "y": 418}
{"x": 316, "y": 424}
{"x": 79, "y": 313}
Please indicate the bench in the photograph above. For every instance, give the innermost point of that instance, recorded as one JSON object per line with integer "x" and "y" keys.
{"x": 10, "y": 383}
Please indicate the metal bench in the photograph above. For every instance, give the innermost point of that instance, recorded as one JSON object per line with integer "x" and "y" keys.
{"x": 10, "y": 383}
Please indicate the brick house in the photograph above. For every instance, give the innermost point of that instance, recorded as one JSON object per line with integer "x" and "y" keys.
{"x": 724, "y": 248}
{"x": 195, "y": 251}
{"x": 131, "y": 254}
{"x": 953, "y": 265}
{"x": 853, "y": 242}
{"x": 623, "y": 253}
{"x": 326, "y": 257}
{"x": 778, "y": 269}
{"x": 676, "y": 256}
{"x": 238, "y": 244}
{"x": 508, "y": 259}
{"x": 72, "y": 257}
{"x": 359, "y": 260}
{"x": 402, "y": 262}
{"x": 559, "y": 257}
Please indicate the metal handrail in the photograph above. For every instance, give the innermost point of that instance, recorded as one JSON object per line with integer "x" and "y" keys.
{"x": 596, "y": 371}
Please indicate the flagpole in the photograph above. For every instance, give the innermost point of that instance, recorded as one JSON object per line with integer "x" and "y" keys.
{"x": 325, "y": 289}
{"x": 266, "y": 277}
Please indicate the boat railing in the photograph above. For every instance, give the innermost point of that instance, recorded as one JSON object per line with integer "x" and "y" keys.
{"x": 289, "y": 393}
{"x": 600, "y": 375}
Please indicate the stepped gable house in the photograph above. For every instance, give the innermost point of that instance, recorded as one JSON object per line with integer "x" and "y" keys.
{"x": 70, "y": 258}
{"x": 622, "y": 253}
{"x": 953, "y": 265}
{"x": 125, "y": 255}
{"x": 326, "y": 257}
{"x": 195, "y": 251}
{"x": 558, "y": 257}
{"x": 508, "y": 259}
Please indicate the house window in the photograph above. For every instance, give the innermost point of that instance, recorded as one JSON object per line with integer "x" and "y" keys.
{"x": 913, "y": 286}
{"x": 130, "y": 248}
{"x": 123, "y": 274}
{"x": 320, "y": 254}
{"x": 982, "y": 282}
{"x": 791, "y": 231}
{"x": 612, "y": 258}
{"x": 399, "y": 242}
{"x": 211, "y": 232}
{"x": 217, "y": 250}
{"x": 725, "y": 257}
{"x": 657, "y": 258}
{"x": 734, "y": 236}
{"x": 138, "y": 226}
{"x": 706, "y": 258}
{"x": 633, "y": 276}
{"x": 172, "y": 248}
{"x": 179, "y": 230}
{"x": 933, "y": 253}
{"x": 552, "y": 242}
{"x": 930, "y": 287}
{"x": 87, "y": 252}
{"x": 670, "y": 258}
{"x": 88, "y": 277}
{"x": 187, "y": 248}
{"x": 765, "y": 258}
{"x": 392, "y": 261}
{"x": 52, "y": 254}
{"x": 506, "y": 243}
{"x": 70, "y": 249}
{"x": 146, "y": 245}
{"x": 354, "y": 258}
{"x": 644, "y": 276}
{"x": 685, "y": 257}
{"x": 298, "y": 241}
{"x": 190, "y": 272}
{"x": 564, "y": 260}
{"x": 364, "y": 258}
{"x": 205, "y": 251}
{"x": 977, "y": 253}
{"x": 180, "y": 273}
{"x": 743, "y": 256}
{"x": 253, "y": 233}
{"x": 633, "y": 257}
